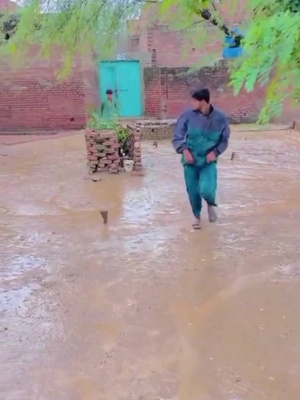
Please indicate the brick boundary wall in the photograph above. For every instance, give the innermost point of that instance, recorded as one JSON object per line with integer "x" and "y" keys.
{"x": 167, "y": 93}
{"x": 32, "y": 100}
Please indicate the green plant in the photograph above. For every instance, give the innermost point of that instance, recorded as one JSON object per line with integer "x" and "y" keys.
{"x": 81, "y": 27}
{"x": 123, "y": 137}
{"x": 97, "y": 123}
{"x": 271, "y": 43}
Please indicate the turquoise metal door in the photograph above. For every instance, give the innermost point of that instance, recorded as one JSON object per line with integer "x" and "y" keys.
{"x": 129, "y": 88}
{"x": 124, "y": 78}
{"x": 108, "y": 78}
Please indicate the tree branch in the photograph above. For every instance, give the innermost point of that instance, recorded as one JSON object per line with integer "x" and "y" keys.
{"x": 207, "y": 15}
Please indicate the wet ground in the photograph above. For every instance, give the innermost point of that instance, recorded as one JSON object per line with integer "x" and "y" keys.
{"x": 146, "y": 309}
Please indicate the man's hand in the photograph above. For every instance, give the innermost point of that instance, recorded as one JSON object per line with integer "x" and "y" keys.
{"x": 188, "y": 156}
{"x": 211, "y": 157}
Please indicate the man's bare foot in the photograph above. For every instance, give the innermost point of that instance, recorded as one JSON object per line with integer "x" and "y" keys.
{"x": 197, "y": 224}
{"x": 212, "y": 215}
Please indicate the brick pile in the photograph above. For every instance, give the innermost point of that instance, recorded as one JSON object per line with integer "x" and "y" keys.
{"x": 102, "y": 151}
{"x": 156, "y": 129}
{"x": 135, "y": 148}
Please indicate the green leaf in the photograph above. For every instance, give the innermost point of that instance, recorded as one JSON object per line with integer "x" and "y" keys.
{"x": 271, "y": 44}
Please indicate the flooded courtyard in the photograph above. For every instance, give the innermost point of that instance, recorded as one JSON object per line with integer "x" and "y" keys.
{"x": 145, "y": 308}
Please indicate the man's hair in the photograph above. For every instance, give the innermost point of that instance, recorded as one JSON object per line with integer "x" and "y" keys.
{"x": 201, "y": 94}
{"x": 109, "y": 91}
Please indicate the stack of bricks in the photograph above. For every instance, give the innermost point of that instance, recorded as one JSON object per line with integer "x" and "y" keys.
{"x": 135, "y": 148}
{"x": 102, "y": 151}
{"x": 156, "y": 129}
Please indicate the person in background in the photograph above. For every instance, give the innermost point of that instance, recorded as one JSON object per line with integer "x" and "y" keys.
{"x": 109, "y": 109}
{"x": 201, "y": 136}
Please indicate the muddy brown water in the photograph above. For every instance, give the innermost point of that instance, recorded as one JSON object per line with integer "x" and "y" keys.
{"x": 144, "y": 308}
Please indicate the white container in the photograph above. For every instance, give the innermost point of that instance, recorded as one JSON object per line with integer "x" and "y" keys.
{"x": 128, "y": 165}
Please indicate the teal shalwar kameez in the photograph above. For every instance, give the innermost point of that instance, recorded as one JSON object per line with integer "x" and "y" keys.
{"x": 201, "y": 134}
{"x": 109, "y": 110}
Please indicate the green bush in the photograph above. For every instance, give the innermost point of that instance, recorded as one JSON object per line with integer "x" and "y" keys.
{"x": 97, "y": 123}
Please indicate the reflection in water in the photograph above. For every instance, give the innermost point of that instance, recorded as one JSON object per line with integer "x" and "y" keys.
{"x": 146, "y": 308}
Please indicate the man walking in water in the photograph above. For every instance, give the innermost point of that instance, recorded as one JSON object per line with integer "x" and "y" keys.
{"x": 201, "y": 136}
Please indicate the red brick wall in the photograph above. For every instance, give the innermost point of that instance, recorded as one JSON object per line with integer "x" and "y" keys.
{"x": 175, "y": 49}
{"x": 167, "y": 93}
{"x": 290, "y": 112}
{"x": 177, "y": 46}
{"x": 91, "y": 82}
{"x": 31, "y": 98}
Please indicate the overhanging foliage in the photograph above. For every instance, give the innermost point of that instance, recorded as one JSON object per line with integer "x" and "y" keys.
{"x": 271, "y": 44}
